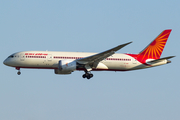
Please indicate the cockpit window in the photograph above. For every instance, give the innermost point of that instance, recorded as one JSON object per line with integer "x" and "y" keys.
{"x": 11, "y": 56}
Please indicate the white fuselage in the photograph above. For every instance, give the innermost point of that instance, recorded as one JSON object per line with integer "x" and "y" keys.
{"x": 50, "y": 60}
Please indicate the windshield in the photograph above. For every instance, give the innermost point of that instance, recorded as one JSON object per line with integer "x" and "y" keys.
{"x": 11, "y": 56}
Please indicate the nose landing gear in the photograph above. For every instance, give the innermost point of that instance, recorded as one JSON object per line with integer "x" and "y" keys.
{"x": 19, "y": 72}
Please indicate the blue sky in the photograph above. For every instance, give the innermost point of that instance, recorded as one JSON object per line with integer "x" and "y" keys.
{"x": 89, "y": 26}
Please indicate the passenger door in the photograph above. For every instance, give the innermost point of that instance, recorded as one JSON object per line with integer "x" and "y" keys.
{"x": 49, "y": 57}
{"x": 22, "y": 57}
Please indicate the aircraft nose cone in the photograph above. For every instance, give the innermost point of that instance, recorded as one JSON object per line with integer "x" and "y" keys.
{"x": 5, "y": 62}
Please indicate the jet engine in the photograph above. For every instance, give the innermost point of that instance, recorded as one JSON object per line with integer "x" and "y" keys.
{"x": 66, "y": 67}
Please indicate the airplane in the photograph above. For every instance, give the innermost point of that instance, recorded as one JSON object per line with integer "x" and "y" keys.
{"x": 68, "y": 62}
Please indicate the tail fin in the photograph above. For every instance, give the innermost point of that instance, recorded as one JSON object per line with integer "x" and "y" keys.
{"x": 155, "y": 48}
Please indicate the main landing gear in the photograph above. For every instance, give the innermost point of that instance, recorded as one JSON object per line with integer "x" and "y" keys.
{"x": 87, "y": 75}
{"x": 19, "y": 72}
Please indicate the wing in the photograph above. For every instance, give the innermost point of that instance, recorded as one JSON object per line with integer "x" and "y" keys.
{"x": 87, "y": 61}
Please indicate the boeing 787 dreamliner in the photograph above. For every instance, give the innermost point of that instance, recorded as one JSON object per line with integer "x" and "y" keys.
{"x": 68, "y": 62}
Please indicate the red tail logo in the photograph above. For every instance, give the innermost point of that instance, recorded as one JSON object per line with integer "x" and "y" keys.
{"x": 155, "y": 48}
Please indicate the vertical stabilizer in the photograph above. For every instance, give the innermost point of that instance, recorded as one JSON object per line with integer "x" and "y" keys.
{"x": 155, "y": 48}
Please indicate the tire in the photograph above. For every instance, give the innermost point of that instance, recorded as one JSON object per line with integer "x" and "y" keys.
{"x": 88, "y": 77}
{"x": 84, "y": 76}
{"x": 91, "y": 75}
{"x": 18, "y": 73}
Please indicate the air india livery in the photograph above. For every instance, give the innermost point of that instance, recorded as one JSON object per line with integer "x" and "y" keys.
{"x": 68, "y": 62}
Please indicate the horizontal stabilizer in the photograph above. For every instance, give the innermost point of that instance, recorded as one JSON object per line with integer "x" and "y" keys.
{"x": 157, "y": 60}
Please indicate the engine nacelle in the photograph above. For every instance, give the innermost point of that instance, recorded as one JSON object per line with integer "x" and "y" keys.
{"x": 66, "y": 67}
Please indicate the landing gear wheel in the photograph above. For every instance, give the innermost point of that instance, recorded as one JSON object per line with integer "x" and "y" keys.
{"x": 18, "y": 72}
{"x": 91, "y": 75}
{"x": 84, "y": 76}
{"x": 87, "y": 75}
